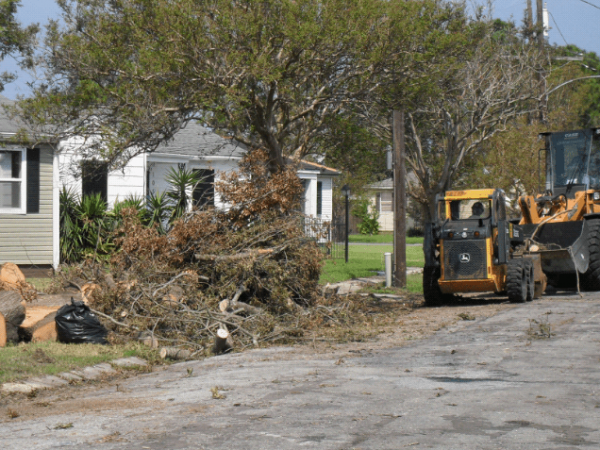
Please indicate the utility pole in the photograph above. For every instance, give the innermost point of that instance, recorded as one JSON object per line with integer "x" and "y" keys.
{"x": 541, "y": 44}
{"x": 529, "y": 20}
{"x": 399, "y": 199}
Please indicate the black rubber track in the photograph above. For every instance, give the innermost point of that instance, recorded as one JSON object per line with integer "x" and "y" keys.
{"x": 516, "y": 282}
{"x": 590, "y": 280}
{"x": 431, "y": 289}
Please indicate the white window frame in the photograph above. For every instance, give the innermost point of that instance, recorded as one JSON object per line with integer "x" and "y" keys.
{"x": 23, "y": 180}
{"x": 389, "y": 203}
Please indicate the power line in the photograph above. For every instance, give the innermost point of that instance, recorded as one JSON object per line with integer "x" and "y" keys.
{"x": 591, "y": 4}
{"x": 556, "y": 24}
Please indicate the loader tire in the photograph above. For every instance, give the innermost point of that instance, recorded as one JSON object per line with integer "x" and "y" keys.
{"x": 431, "y": 288}
{"x": 590, "y": 280}
{"x": 530, "y": 280}
{"x": 516, "y": 281}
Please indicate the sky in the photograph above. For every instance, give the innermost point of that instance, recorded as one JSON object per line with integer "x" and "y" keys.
{"x": 571, "y": 21}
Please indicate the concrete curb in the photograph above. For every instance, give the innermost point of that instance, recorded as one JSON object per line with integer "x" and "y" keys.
{"x": 65, "y": 378}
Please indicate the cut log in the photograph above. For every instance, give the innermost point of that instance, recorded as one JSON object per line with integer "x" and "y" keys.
{"x": 39, "y": 324}
{"x": 11, "y": 275}
{"x": 146, "y": 338}
{"x": 11, "y": 308}
{"x": 174, "y": 353}
{"x": 223, "y": 342}
{"x": 46, "y": 332}
{"x": 2, "y": 331}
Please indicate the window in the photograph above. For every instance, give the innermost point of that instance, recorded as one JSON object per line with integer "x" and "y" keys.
{"x": 204, "y": 191}
{"x": 12, "y": 183}
{"x": 94, "y": 179}
{"x": 385, "y": 202}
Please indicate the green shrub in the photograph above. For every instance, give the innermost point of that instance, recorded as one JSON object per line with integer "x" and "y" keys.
{"x": 369, "y": 219}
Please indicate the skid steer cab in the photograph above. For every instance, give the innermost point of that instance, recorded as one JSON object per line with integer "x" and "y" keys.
{"x": 471, "y": 247}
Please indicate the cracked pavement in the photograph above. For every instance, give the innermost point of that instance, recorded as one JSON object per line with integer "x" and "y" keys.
{"x": 526, "y": 378}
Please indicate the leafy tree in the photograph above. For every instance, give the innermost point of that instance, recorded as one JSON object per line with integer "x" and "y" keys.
{"x": 271, "y": 74}
{"x": 487, "y": 79}
{"x": 13, "y": 37}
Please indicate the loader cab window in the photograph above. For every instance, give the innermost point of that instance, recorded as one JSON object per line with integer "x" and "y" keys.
{"x": 570, "y": 156}
{"x": 471, "y": 209}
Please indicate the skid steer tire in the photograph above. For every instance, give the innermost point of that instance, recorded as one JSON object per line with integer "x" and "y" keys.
{"x": 590, "y": 280}
{"x": 530, "y": 280}
{"x": 516, "y": 281}
{"x": 431, "y": 288}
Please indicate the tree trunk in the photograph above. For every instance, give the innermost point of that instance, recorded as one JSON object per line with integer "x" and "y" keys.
{"x": 13, "y": 312}
{"x": 174, "y": 353}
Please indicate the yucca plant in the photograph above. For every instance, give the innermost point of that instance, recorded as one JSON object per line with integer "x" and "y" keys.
{"x": 96, "y": 226}
{"x": 71, "y": 237}
{"x": 182, "y": 181}
{"x": 131, "y": 202}
{"x": 158, "y": 210}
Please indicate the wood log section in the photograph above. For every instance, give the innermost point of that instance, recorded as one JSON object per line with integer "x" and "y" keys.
{"x": 223, "y": 342}
{"x": 13, "y": 312}
{"x": 2, "y": 331}
{"x": 39, "y": 324}
{"x": 234, "y": 306}
{"x": 174, "y": 353}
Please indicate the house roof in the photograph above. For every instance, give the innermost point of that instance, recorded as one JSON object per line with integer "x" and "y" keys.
{"x": 9, "y": 127}
{"x": 323, "y": 170}
{"x": 388, "y": 183}
{"x": 196, "y": 140}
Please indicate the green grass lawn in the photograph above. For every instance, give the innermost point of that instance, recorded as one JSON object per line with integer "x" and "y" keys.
{"x": 50, "y": 358}
{"x": 381, "y": 239}
{"x": 365, "y": 261}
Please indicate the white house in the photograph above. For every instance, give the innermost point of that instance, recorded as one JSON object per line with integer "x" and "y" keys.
{"x": 31, "y": 177}
{"x": 194, "y": 147}
{"x": 381, "y": 198}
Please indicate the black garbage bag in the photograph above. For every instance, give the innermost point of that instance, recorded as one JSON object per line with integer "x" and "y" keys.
{"x": 76, "y": 324}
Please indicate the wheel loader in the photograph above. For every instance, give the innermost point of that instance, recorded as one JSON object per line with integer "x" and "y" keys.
{"x": 471, "y": 247}
{"x": 562, "y": 226}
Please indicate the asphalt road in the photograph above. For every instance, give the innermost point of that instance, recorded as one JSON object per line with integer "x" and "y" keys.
{"x": 527, "y": 378}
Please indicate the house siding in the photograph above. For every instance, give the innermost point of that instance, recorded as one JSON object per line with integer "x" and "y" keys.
{"x": 27, "y": 238}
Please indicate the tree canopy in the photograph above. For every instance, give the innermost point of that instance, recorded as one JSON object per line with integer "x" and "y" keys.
{"x": 271, "y": 74}
{"x": 13, "y": 37}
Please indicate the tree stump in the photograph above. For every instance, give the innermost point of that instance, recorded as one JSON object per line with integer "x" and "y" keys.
{"x": 223, "y": 342}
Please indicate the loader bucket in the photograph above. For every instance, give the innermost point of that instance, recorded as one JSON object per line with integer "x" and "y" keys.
{"x": 563, "y": 248}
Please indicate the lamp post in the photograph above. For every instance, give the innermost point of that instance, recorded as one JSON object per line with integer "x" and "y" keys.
{"x": 346, "y": 192}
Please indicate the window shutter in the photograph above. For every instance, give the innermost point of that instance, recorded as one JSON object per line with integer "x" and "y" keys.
{"x": 33, "y": 180}
{"x": 319, "y": 198}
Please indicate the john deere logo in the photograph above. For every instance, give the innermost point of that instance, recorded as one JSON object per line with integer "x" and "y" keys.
{"x": 464, "y": 257}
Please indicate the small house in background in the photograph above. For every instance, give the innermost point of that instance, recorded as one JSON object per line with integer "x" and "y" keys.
{"x": 195, "y": 148}
{"x": 381, "y": 198}
{"x": 29, "y": 205}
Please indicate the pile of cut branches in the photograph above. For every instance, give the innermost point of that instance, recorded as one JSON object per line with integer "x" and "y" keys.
{"x": 249, "y": 271}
